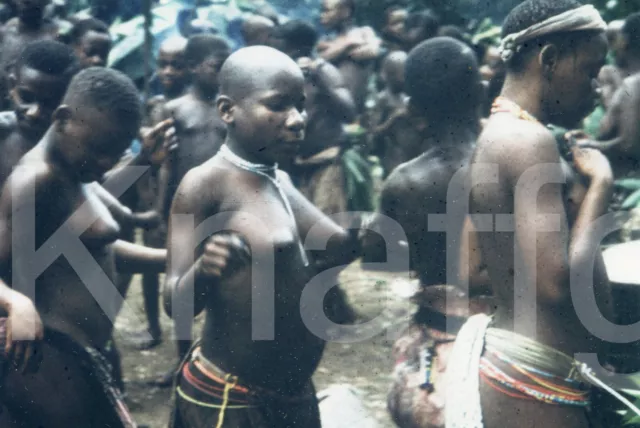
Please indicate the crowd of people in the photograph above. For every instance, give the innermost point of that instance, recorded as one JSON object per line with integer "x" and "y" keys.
{"x": 255, "y": 177}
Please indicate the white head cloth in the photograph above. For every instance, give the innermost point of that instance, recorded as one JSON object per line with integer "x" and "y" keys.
{"x": 581, "y": 19}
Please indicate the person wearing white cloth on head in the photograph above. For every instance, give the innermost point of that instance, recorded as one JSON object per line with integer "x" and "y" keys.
{"x": 517, "y": 369}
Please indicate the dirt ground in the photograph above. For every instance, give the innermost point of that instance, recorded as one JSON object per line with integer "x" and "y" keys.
{"x": 364, "y": 364}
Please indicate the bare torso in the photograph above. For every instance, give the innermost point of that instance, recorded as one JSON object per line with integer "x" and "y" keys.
{"x": 557, "y": 324}
{"x": 14, "y": 40}
{"x": 63, "y": 298}
{"x": 399, "y": 143}
{"x": 286, "y": 363}
{"x": 13, "y": 146}
{"x": 200, "y": 133}
{"x": 418, "y": 189}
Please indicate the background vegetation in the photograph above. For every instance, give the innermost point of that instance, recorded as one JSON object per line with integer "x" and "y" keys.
{"x": 463, "y": 11}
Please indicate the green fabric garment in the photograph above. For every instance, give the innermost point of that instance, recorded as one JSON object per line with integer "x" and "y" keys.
{"x": 359, "y": 182}
{"x": 591, "y": 124}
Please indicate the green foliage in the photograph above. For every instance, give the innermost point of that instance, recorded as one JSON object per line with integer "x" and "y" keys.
{"x": 459, "y": 11}
{"x": 616, "y": 9}
{"x": 630, "y": 185}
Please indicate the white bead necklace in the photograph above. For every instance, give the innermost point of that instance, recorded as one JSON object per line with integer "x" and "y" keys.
{"x": 269, "y": 172}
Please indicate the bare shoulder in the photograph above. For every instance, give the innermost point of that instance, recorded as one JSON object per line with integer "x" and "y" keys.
{"x": 203, "y": 186}
{"x": 156, "y": 101}
{"x": 177, "y": 104}
{"x": 629, "y": 89}
{"x": 173, "y": 105}
{"x": 286, "y": 182}
{"x": 30, "y": 177}
{"x": 515, "y": 144}
{"x": 412, "y": 182}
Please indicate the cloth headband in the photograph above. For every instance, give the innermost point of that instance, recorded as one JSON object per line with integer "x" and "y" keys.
{"x": 581, "y": 19}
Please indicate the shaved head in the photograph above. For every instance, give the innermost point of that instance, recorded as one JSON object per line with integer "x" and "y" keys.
{"x": 174, "y": 45}
{"x": 395, "y": 59}
{"x": 256, "y": 29}
{"x": 262, "y": 102}
{"x": 250, "y": 69}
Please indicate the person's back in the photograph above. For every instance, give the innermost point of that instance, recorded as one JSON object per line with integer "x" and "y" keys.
{"x": 434, "y": 184}
{"x": 536, "y": 243}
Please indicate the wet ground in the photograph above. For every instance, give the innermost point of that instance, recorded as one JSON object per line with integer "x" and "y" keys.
{"x": 365, "y": 364}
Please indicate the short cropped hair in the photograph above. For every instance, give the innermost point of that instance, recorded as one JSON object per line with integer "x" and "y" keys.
{"x": 109, "y": 91}
{"x": 83, "y": 26}
{"x": 631, "y": 32}
{"x": 426, "y": 20}
{"x": 533, "y": 12}
{"x": 442, "y": 78}
{"x": 49, "y": 57}
{"x": 299, "y": 34}
{"x": 203, "y": 46}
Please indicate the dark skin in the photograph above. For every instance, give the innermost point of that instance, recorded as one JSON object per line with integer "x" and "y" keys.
{"x": 172, "y": 69}
{"x": 552, "y": 88}
{"x": 256, "y": 30}
{"x": 172, "y": 73}
{"x": 329, "y": 102}
{"x": 619, "y": 131}
{"x": 394, "y": 31}
{"x": 329, "y": 105}
{"x": 400, "y": 138}
{"x": 92, "y": 49}
{"x": 78, "y": 149}
{"x": 35, "y": 96}
{"x": 626, "y": 55}
{"x": 197, "y": 125}
{"x": 419, "y": 188}
{"x": 29, "y": 26}
{"x": 352, "y": 50}
{"x": 266, "y": 124}
{"x": 392, "y": 99}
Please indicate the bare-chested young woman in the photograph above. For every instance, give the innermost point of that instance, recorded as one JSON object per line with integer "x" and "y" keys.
{"x": 52, "y": 192}
{"x": 267, "y": 382}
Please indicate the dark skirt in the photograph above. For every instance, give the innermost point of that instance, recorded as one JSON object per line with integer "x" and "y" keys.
{"x": 97, "y": 372}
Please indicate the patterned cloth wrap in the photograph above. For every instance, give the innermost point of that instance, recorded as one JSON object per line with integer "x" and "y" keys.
{"x": 421, "y": 355}
{"x": 97, "y": 369}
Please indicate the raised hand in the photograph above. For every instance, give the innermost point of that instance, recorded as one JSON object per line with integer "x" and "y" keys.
{"x": 222, "y": 252}
{"x": 157, "y": 141}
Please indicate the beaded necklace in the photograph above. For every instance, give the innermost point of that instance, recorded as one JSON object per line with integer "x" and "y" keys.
{"x": 268, "y": 172}
{"x": 504, "y": 105}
